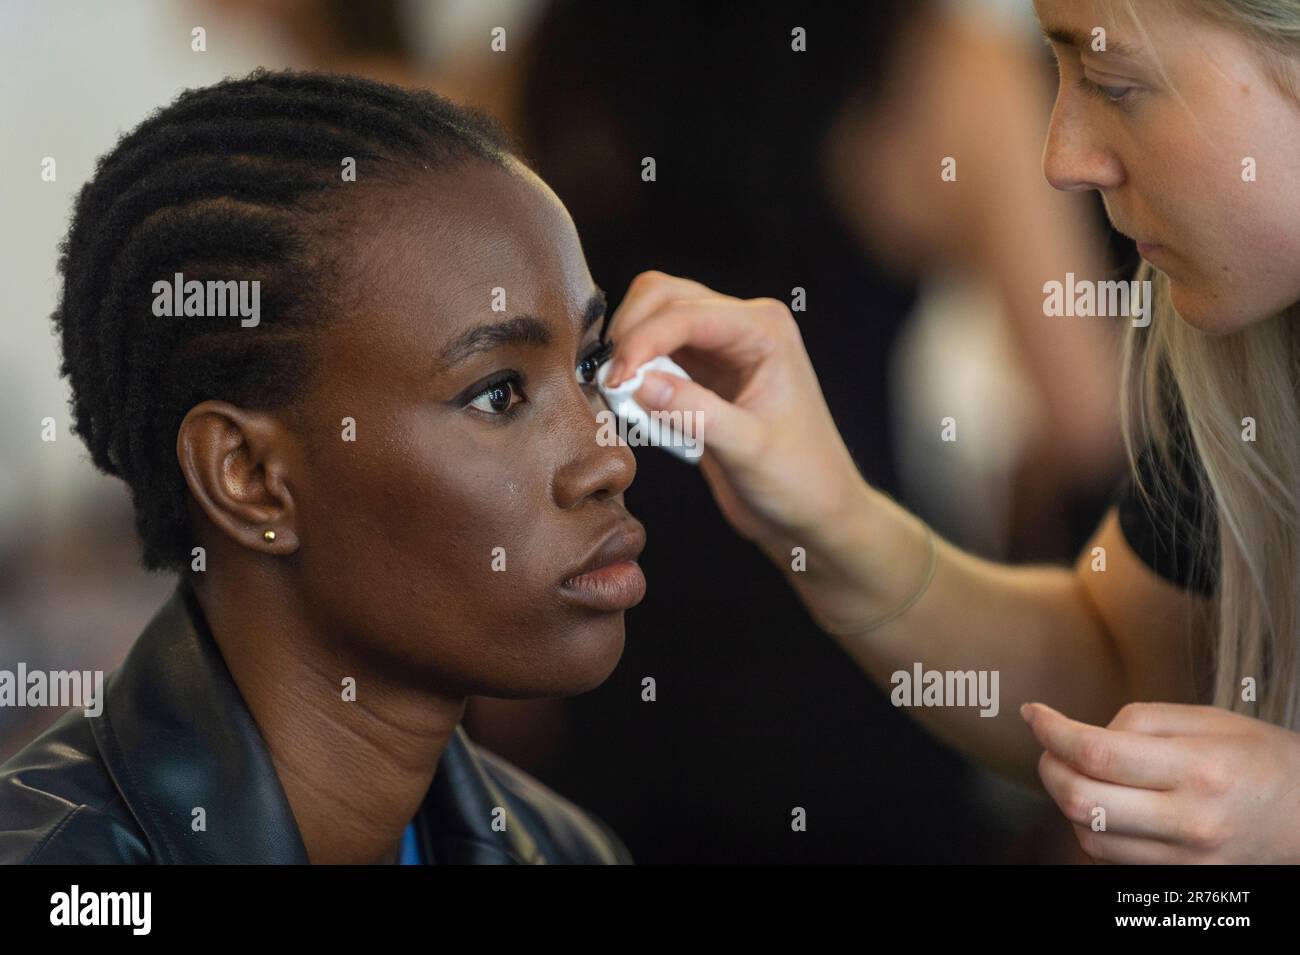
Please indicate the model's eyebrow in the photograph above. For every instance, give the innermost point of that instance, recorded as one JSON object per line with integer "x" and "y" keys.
{"x": 594, "y": 311}
{"x": 1083, "y": 42}
{"x": 520, "y": 330}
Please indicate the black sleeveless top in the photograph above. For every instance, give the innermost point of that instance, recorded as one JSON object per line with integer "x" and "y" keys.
{"x": 1164, "y": 530}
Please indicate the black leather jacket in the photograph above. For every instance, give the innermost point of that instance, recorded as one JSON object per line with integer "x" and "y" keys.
{"x": 175, "y": 734}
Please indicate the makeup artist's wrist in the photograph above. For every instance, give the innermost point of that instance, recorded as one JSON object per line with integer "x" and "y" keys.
{"x": 842, "y": 566}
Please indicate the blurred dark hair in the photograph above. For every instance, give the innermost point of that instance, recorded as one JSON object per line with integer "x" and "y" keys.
{"x": 717, "y": 86}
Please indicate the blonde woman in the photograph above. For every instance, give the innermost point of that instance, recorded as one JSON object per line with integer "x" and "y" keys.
{"x": 1161, "y": 675}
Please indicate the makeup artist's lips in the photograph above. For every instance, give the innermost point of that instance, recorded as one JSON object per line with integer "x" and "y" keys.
{"x": 1144, "y": 249}
{"x": 610, "y": 578}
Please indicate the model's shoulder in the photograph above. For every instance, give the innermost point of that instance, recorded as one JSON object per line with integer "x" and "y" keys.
{"x": 58, "y": 803}
{"x": 563, "y": 831}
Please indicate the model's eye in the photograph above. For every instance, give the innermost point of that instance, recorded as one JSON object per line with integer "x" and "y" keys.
{"x": 498, "y": 398}
{"x": 590, "y": 364}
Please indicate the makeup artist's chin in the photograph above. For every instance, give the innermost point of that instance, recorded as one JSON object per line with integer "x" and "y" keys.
{"x": 1210, "y": 308}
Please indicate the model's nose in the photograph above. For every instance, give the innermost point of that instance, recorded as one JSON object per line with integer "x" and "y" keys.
{"x": 594, "y": 470}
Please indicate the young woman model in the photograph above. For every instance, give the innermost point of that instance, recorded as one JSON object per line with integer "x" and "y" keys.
{"x": 1162, "y": 674}
{"x": 383, "y": 491}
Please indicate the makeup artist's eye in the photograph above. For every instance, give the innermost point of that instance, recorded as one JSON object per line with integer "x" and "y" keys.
{"x": 590, "y": 363}
{"x": 1115, "y": 95}
{"x": 499, "y": 397}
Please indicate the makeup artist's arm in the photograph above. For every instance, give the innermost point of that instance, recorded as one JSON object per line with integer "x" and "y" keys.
{"x": 1084, "y": 642}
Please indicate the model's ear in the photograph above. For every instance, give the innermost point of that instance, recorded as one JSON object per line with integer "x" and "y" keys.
{"x": 236, "y": 463}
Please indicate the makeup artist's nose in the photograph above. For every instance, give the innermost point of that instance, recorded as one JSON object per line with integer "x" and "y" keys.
{"x": 1076, "y": 157}
{"x": 594, "y": 471}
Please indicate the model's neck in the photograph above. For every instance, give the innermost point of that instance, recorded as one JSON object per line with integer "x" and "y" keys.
{"x": 355, "y": 748}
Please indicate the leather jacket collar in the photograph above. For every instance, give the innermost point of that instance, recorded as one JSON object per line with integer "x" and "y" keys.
{"x": 176, "y": 735}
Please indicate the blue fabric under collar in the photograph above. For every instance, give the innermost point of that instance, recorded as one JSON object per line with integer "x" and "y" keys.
{"x": 410, "y": 854}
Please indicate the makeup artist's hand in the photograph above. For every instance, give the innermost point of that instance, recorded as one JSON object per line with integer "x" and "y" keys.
{"x": 773, "y": 458}
{"x": 1178, "y": 783}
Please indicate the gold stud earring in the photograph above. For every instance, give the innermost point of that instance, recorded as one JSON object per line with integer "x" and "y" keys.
{"x": 268, "y": 536}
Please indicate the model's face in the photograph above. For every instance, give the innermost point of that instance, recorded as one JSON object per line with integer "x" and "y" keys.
{"x": 475, "y": 487}
{"x": 1168, "y": 152}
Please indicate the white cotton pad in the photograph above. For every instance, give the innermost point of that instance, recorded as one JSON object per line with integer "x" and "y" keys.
{"x": 639, "y": 427}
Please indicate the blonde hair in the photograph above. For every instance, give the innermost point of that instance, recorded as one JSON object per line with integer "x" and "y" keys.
{"x": 1250, "y": 490}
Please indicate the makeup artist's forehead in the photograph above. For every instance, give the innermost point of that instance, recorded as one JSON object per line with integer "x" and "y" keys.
{"x": 447, "y": 247}
{"x": 1074, "y": 23}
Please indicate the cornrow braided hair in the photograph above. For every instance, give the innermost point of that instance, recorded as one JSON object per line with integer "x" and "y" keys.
{"x": 233, "y": 181}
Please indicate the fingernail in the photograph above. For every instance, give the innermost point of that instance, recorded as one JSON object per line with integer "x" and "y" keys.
{"x": 1025, "y": 713}
{"x": 615, "y": 374}
{"x": 656, "y": 392}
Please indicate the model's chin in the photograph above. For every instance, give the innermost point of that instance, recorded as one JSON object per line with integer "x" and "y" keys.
{"x": 577, "y": 659}
{"x": 594, "y": 647}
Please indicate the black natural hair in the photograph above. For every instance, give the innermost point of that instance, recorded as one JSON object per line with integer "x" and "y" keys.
{"x": 242, "y": 180}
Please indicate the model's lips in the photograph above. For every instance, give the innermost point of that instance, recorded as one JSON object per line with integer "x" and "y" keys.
{"x": 610, "y": 578}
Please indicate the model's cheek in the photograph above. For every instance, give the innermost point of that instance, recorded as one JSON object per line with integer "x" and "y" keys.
{"x": 449, "y": 557}
{"x": 493, "y": 519}
{"x": 509, "y": 548}
{"x": 421, "y": 506}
